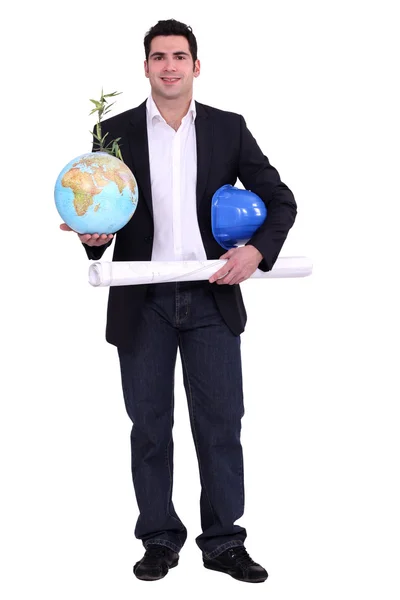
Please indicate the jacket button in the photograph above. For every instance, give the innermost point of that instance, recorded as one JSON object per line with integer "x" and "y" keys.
{"x": 148, "y": 238}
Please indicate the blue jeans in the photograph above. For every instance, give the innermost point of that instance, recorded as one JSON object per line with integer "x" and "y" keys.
{"x": 185, "y": 315}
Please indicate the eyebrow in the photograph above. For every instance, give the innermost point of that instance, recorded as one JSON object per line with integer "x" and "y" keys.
{"x": 178, "y": 53}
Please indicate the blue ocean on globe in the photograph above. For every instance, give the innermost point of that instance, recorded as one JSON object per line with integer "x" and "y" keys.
{"x": 96, "y": 193}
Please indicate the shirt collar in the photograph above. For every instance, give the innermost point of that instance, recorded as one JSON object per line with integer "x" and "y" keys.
{"x": 154, "y": 113}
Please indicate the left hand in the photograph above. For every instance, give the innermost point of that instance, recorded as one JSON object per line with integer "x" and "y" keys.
{"x": 241, "y": 264}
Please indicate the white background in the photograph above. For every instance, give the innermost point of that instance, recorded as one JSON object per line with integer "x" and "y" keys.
{"x": 317, "y": 84}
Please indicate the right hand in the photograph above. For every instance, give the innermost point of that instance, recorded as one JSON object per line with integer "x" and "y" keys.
{"x": 90, "y": 239}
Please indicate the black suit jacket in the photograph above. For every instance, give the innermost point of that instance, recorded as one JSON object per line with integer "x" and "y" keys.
{"x": 226, "y": 151}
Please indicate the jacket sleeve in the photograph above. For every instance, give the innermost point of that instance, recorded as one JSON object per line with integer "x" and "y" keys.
{"x": 259, "y": 176}
{"x": 96, "y": 252}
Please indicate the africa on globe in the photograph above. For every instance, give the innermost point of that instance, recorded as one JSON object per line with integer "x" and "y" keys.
{"x": 96, "y": 193}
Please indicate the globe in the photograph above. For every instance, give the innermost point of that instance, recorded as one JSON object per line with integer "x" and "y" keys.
{"x": 96, "y": 193}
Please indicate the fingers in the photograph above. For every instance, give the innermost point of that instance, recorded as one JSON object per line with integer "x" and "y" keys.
{"x": 219, "y": 274}
{"x": 90, "y": 239}
{"x": 95, "y": 239}
{"x": 104, "y": 238}
{"x": 238, "y": 267}
{"x": 229, "y": 279}
{"x": 100, "y": 240}
{"x": 232, "y": 277}
{"x": 84, "y": 237}
{"x": 223, "y": 276}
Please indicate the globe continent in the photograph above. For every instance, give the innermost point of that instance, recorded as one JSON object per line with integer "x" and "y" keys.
{"x": 96, "y": 193}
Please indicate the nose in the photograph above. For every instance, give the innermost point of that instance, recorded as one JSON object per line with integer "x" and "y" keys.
{"x": 169, "y": 64}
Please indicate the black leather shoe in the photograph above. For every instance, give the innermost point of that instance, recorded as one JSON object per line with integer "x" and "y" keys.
{"x": 156, "y": 562}
{"x": 237, "y": 563}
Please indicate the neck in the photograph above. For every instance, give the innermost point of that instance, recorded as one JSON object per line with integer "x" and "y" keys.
{"x": 172, "y": 110}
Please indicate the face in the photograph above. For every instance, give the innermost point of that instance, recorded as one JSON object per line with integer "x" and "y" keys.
{"x": 170, "y": 68}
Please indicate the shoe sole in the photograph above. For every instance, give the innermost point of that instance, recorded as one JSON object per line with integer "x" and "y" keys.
{"x": 148, "y": 578}
{"x": 260, "y": 580}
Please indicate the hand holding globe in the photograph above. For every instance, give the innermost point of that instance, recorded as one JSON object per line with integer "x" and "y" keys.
{"x": 94, "y": 239}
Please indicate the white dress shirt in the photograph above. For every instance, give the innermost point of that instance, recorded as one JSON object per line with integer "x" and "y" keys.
{"x": 173, "y": 176}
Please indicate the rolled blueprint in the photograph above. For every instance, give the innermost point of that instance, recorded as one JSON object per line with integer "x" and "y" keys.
{"x": 102, "y": 274}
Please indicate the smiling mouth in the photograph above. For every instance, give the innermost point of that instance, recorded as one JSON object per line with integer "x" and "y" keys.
{"x": 170, "y": 79}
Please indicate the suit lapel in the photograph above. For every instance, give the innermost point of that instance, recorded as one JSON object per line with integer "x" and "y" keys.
{"x": 204, "y": 139}
{"x": 139, "y": 148}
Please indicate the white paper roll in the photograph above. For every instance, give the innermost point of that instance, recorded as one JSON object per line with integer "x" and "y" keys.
{"x": 102, "y": 274}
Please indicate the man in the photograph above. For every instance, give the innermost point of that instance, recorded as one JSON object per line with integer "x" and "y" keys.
{"x": 181, "y": 152}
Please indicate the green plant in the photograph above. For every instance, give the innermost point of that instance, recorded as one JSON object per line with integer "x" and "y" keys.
{"x": 102, "y": 107}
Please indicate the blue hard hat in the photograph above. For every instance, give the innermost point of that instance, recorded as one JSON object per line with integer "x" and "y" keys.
{"x": 235, "y": 215}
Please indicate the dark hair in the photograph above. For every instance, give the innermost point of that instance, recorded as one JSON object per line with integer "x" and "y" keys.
{"x": 171, "y": 27}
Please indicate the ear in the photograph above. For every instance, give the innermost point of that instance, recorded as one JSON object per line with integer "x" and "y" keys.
{"x": 146, "y": 69}
{"x": 196, "y": 71}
